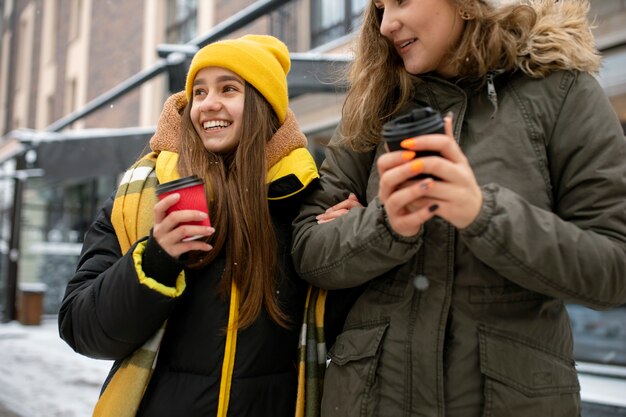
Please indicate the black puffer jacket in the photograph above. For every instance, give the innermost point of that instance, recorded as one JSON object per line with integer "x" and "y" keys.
{"x": 187, "y": 377}
{"x": 108, "y": 312}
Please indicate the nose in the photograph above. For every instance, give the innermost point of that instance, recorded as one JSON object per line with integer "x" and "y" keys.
{"x": 389, "y": 24}
{"x": 210, "y": 103}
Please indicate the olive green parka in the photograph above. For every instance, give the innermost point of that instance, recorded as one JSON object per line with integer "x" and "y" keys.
{"x": 489, "y": 335}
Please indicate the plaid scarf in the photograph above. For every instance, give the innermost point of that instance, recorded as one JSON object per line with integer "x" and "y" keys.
{"x": 132, "y": 218}
{"x": 133, "y": 203}
{"x": 312, "y": 355}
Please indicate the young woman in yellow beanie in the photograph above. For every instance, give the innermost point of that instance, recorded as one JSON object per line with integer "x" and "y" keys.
{"x": 209, "y": 326}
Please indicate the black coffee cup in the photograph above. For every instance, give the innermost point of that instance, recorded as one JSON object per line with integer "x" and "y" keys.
{"x": 419, "y": 121}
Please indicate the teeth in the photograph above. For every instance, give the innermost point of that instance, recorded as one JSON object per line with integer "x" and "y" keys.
{"x": 216, "y": 123}
{"x": 407, "y": 43}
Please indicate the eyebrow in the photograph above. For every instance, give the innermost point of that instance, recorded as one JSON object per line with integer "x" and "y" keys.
{"x": 221, "y": 79}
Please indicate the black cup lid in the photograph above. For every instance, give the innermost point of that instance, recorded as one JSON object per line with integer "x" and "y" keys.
{"x": 419, "y": 121}
{"x": 178, "y": 184}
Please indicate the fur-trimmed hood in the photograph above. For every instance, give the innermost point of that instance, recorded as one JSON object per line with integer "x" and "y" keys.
{"x": 561, "y": 39}
{"x": 291, "y": 168}
{"x": 168, "y": 132}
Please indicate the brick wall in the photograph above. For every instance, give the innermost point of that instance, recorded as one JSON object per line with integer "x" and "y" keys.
{"x": 226, "y": 8}
{"x": 19, "y": 7}
{"x": 282, "y": 23}
{"x": 32, "y": 99}
{"x": 115, "y": 53}
{"x": 61, "y": 46}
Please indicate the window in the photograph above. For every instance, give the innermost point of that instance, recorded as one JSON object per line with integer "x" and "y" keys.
{"x": 284, "y": 24}
{"x": 599, "y": 336}
{"x": 331, "y": 19}
{"x": 181, "y": 21}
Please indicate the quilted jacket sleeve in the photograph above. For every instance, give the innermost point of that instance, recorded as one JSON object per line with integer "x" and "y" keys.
{"x": 108, "y": 309}
{"x": 575, "y": 252}
{"x": 356, "y": 247}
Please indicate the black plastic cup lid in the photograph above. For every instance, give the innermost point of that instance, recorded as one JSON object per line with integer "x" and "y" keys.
{"x": 178, "y": 184}
{"x": 417, "y": 122}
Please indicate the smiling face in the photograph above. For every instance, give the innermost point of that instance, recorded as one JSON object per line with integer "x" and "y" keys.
{"x": 217, "y": 108}
{"x": 423, "y": 32}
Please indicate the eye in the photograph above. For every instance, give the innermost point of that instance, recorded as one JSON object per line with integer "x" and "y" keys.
{"x": 229, "y": 88}
{"x": 199, "y": 92}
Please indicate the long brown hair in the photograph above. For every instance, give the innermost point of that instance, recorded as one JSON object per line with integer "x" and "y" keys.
{"x": 238, "y": 207}
{"x": 379, "y": 86}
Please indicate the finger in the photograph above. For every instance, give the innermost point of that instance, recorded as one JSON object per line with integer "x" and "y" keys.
{"x": 412, "y": 196}
{"x": 444, "y": 144}
{"x": 410, "y": 223}
{"x": 348, "y": 203}
{"x": 185, "y": 238}
{"x": 192, "y": 245}
{"x": 162, "y": 231}
{"x": 396, "y": 177}
{"x": 188, "y": 233}
{"x": 328, "y": 216}
{"x": 174, "y": 218}
{"x": 161, "y": 207}
{"x": 390, "y": 160}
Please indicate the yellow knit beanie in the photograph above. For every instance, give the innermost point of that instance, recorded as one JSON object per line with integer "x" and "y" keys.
{"x": 261, "y": 60}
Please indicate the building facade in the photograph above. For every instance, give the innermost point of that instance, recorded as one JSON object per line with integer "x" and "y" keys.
{"x": 61, "y": 57}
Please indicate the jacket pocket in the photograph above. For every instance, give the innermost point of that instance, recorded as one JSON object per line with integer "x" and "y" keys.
{"x": 350, "y": 381}
{"x": 524, "y": 379}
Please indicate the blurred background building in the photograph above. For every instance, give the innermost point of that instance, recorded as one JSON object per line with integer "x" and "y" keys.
{"x": 82, "y": 83}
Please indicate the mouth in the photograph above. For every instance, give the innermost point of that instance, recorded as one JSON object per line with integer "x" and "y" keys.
{"x": 213, "y": 125}
{"x": 404, "y": 43}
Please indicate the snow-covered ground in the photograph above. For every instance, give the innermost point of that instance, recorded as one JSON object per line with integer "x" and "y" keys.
{"x": 41, "y": 376}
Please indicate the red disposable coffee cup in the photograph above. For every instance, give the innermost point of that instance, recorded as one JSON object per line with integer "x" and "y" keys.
{"x": 192, "y": 197}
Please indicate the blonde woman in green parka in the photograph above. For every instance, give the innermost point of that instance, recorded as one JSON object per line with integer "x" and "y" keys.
{"x": 465, "y": 277}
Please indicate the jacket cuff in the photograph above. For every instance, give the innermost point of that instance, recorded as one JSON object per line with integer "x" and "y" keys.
{"x": 158, "y": 264}
{"x": 395, "y": 235}
{"x": 480, "y": 223}
{"x": 157, "y": 270}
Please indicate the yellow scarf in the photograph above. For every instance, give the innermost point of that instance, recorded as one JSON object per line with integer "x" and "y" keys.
{"x": 132, "y": 219}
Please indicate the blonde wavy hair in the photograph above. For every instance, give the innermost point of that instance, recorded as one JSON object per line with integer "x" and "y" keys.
{"x": 508, "y": 38}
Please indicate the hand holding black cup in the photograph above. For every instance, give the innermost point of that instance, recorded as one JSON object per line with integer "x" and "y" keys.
{"x": 418, "y": 122}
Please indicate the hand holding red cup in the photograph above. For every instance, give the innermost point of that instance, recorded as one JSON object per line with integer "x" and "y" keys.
{"x": 192, "y": 197}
